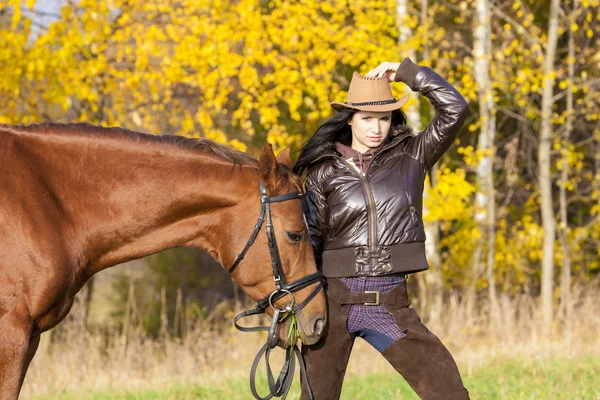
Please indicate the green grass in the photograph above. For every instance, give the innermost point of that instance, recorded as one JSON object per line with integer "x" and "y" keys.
{"x": 499, "y": 379}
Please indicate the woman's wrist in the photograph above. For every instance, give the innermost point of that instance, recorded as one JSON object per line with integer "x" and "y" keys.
{"x": 407, "y": 71}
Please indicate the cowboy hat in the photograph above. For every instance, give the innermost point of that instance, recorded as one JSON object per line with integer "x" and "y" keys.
{"x": 370, "y": 94}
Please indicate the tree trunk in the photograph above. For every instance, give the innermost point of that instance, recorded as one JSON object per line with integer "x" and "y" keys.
{"x": 164, "y": 316}
{"x": 485, "y": 197}
{"x": 413, "y": 111}
{"x": 545, "y": 178}
{"x": 565, "y": 285}
{"x": 433, "y": 277}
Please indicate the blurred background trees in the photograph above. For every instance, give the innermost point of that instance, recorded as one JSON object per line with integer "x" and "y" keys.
{"x": 511, "y": 209}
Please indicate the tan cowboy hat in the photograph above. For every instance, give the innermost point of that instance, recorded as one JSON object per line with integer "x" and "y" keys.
{"x": 370, "y": 94}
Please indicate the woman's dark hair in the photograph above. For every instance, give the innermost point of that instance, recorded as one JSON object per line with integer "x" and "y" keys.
{"x": 336, "y": 128}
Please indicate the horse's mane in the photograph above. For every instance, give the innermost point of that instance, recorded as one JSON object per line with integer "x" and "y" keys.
{"x": 199, "y": 145}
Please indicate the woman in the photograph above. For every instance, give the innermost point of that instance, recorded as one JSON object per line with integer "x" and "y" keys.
{"x": 365, "y": 172}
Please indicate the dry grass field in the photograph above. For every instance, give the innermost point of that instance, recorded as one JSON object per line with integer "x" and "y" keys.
{"x": 508, "y": 359}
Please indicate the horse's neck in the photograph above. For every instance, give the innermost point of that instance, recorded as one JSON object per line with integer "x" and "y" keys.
{"x": 126, "y": 203}
{"x": 185, "y": 205}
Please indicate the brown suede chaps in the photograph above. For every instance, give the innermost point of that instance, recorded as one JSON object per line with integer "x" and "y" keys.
{"x": 420, "y": 357}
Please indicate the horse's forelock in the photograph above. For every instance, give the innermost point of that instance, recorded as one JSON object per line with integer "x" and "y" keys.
{"x": 287, "y": 176}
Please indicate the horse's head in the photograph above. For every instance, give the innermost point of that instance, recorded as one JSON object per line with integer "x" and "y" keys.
{"x": 255, "y": 272}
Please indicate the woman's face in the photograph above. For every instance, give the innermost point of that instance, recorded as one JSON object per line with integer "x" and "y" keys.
{"x": 369, "y": 129}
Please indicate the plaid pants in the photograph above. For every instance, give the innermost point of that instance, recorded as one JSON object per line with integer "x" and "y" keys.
{"x": 373, "y": 323}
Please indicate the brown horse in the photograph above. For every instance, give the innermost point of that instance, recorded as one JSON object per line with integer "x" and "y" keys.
{"x": 76, "y": 199}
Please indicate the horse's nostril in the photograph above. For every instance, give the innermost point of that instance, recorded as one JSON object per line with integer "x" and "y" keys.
{"x": 318, "y": 326}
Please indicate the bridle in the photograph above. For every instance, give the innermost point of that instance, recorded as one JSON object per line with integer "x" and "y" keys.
{"x": 281, "y": 387}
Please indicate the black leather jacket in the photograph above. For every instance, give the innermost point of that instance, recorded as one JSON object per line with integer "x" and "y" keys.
{"x": 373, "y": 225}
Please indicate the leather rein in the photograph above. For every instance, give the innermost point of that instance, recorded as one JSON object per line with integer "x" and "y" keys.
{"x": 281, "y": 386}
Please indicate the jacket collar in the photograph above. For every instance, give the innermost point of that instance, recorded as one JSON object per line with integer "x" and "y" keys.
{"x": 392, "y": 141}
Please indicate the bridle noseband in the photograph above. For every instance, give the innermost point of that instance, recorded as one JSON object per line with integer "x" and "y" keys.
{"x": 279, "y": 388}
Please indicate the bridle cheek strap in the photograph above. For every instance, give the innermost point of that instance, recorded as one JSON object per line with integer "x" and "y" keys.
{"x": 281, "y": 387}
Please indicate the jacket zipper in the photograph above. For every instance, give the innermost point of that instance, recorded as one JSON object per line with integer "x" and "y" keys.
{"x": 373, "y": 218}
{"x": 370, "y": 210}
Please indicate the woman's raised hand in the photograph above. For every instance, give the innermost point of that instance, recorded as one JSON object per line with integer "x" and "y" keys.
{"x": 386, "y": 68}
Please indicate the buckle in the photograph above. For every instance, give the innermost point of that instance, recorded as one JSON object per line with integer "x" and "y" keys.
{"x": 376, "y": 303}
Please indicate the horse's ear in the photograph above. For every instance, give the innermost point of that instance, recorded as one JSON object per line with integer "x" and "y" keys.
{"x": 284, "y": 158}
{"x": 267, "y": 167}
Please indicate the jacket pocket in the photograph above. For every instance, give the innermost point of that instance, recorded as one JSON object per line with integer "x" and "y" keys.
{"x": 331, "y": 234}
{"x": 415, "y": 216}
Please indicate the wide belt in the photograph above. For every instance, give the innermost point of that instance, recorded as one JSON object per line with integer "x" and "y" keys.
{"x": 395, "y": 298}
{"x": 368, "y": 298}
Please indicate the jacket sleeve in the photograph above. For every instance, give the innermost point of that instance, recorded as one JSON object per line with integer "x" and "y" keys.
{"x": 452, "y": 110}
{"x": 313, "y": 207}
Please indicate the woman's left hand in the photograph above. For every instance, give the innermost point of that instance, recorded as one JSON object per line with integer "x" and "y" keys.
{"x": 386, "y": 68}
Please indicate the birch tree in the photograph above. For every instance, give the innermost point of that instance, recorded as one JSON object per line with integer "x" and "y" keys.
{"x": 565, "y": 285}
{"x": 405, "y": 33}
{"x": 485, "y": 196}
{"x": 544, "y": 164}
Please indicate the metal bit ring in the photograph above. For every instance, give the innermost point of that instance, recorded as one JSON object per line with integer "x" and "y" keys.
{"x": 290, "y": 306}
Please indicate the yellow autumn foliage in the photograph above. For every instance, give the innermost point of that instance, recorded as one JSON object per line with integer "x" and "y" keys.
{"x": 242, "y": 72}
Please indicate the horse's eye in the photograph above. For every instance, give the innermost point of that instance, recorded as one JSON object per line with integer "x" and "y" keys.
{"x": 294, "y": 236}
